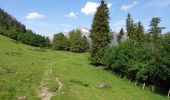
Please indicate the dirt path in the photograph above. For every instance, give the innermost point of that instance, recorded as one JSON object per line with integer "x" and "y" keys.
{"x": 44, "y": 92}
{"x": 59, "y": 83}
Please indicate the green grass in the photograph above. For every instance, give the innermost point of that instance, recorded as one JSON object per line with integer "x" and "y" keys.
{"x": 31, "y": 63}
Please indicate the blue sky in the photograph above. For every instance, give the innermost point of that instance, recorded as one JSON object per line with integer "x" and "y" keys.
{"x": 52, "y": 16}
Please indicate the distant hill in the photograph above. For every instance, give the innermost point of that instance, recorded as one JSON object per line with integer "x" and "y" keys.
{"x": 11, "y": 27}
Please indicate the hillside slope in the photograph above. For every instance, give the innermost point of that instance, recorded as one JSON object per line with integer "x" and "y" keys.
{"x": 68, "y": 76}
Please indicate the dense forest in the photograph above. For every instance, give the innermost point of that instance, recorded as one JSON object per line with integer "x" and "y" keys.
{"x": 12, "y": 28}
{"x": 139, "y": 56}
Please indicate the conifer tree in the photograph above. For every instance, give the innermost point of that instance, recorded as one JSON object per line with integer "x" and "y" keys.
{"x": 120, "y": 35}
{"x": 155, "y": 33}
{"x": 78, "y": 42}
{"x": 155, "y": 30}
{"x": 47, "y": 42}
{"x": 100, "y": 33}
{"x": 59, "y": 41}
{"x": 140, "y": 32}
{"x": 85, "y": 43}
{"x": 130, "y": 28}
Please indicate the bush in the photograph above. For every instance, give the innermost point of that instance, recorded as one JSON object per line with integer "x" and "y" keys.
{"x": 79, "y": 82}
{"x": 121, "y": 58}
{"x": 141, "y": 63}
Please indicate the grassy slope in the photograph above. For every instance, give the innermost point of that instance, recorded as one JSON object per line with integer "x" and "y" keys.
{"x": 31, "y": 65}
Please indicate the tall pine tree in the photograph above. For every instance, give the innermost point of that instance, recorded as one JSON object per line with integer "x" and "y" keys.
{"x": 85, "y": 43}
{"x": 100, "y": 33}
{"x": 155, "y": 33}
{"x": 130, "y": 28}
{"x": 155, "y": 30}
{"x": 120, "y": 36}
{"x": 140, "y": 33}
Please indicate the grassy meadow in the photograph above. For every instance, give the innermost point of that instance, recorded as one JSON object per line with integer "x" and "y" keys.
{"x": 23, "y": 68}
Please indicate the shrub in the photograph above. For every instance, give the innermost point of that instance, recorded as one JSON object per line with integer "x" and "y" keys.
{"x": 79, "y": 82}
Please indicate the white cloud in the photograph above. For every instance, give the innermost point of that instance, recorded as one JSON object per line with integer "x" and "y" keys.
{"x": 127, "y": 7}
{"x": 34, "y": 15}
{"x": 91, "y": 7}
{"x": 158, "y": 3}
{"x": 72, "y": 15}
{"x": 118, "y": 25}
{"x": 109, "y": 5}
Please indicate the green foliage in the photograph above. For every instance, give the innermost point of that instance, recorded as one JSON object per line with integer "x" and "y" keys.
{"x": 165, "y": 60}
{"x": 100, "y": 33}
{"x": 140, "y": 33}
{"x": 8, "y": 22}
{"x": 130, "y": 27}
{"x": 135, "y": 31}
{"x": 109, "y": 56}
{"x": 78, "y": 43}
{"x": 79, "y": 82}
{"x": 155, "y": 30}
{"x": 85, "y": 43}
{"x": 47, "y": 42}
{"x": 138, "y": 63}
{"x": 120, "y": 35}
{"x": 155, "y": 33}
{"x": 31, "y": 69}
{"x": 75, "y": 42}
{"x": 120, "y": 58}
{"x": 60, "y": 42}
{"x": 10, "y": 27}
{"x": 140, "y": 59}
